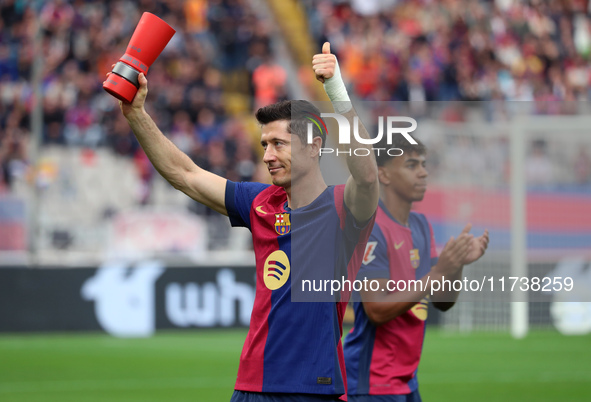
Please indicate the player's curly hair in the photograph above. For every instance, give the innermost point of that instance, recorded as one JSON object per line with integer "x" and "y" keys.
{"x": 297, "y": 113}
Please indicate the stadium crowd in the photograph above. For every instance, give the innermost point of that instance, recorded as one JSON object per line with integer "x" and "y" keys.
{"x": 467, "y": 50}
{"x": 82, "y": 39}
{"x": 389, "y": 50}
{"x": 459, "y": 49}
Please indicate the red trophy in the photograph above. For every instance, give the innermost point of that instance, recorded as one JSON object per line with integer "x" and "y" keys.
{"x": 147, "y": 42}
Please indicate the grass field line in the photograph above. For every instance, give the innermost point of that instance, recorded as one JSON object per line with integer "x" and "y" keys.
{"x": 194, "y": 346}
{"x": 115, "y": 384}
{"x": 228, "y": 382}
{"x": 504, "y": 377}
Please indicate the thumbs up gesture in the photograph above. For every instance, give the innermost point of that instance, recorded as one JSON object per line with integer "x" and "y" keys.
{"x": 326, "y": 68}
{"x": 324, "y": 64}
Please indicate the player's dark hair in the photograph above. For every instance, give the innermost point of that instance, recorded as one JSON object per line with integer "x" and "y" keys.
{"x": 398, "y": 141}
{"x": 298, "y": 114}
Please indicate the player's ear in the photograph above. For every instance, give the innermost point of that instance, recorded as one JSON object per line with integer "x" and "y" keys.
{"x": 315, "y": 146}
{"x": 383, "y": 175}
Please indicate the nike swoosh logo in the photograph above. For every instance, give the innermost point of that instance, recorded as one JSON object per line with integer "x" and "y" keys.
{"x": 260, "y": 209}
{"x": 397, "y": 246}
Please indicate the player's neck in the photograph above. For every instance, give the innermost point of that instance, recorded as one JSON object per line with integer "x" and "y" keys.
{"x": 398, "y": 208}
{"x": 305, "y": 190}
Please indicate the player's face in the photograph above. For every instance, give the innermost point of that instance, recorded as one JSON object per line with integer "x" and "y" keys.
{"x": 276, "y": 142}
{"x": 406, "y": 175}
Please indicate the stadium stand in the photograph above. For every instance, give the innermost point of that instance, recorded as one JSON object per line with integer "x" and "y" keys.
{"x": 216, "y": 42}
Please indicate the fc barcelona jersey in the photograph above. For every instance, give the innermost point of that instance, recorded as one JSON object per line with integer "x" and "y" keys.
{"x": 295, "y": 347}
{"x": 383, "y": 360}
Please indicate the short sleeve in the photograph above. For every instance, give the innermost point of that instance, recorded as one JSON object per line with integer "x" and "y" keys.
{"x": 239, "y": 198}
{"x": 375, "y": 263}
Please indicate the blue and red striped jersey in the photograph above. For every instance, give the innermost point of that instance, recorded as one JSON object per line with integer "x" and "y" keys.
{"x": 383, "y": 360}
{"x": 295, "y": 347}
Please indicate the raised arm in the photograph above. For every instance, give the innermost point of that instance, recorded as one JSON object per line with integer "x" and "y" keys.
{"x": 362, "y": 188}
{"x": 173, "y": 164}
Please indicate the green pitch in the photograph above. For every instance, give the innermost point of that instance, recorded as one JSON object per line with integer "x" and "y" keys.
{"x": 201, "y": 366}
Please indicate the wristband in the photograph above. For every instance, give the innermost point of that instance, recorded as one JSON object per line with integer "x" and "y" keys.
{"x": 337, "y": 92}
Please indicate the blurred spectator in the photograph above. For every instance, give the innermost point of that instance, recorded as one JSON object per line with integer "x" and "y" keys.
{"x": 269, "y": 83}
{"x": 196, "y": 16}
{"x": 207, "y": 127}
{"x": 182, "y": 132}
{"x": 82, "y": 127}
{"x": 12, "y": 155}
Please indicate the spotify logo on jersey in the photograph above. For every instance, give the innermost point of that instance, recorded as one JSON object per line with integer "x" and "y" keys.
{"x": 420, "y": 310}
{"x": 276, "y": 270}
